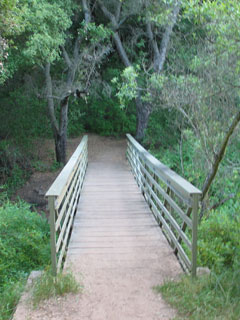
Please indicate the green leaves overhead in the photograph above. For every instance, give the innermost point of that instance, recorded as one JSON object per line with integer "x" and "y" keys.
{"x": 45, "y": 30}
{"x": 94, "y": 33}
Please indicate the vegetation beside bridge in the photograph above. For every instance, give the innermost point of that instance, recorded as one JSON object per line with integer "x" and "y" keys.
{"x": 166, "y": 70}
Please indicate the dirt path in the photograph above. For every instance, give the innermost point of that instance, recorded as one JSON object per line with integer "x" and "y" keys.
{"x": 118, "y": 273}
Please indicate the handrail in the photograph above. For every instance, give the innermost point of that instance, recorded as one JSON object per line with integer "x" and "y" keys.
{"x": 173, "y": 201}
{"x": 63, "y": 196}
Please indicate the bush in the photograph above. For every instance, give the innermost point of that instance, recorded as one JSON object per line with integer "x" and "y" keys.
{"x": 23, "y": 113}
{"x": 9, "y": 297}
{"x": 161, "y": 133}
{"x": 103, "y": 116}
{"x": 24, "y": 246}
{"x": 218, "y": 244}
{"x": 24, "y": 242}
{"x": 15, "y": 167}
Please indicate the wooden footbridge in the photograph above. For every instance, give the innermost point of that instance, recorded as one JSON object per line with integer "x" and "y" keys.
{"x": 112, "y": 213}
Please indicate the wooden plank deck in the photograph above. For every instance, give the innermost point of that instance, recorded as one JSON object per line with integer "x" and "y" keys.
{"x": 117, "y": 249}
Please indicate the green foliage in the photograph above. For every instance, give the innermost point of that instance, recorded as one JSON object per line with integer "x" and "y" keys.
{"x": 23, "y": 117}
{"x": 11, "y": 23}
{"x": 127, "y": 85}
{"x": 14, "y": 167}
{"x": 205, "y": 298}
{"x": 104, "y": 116}
{"x": 48, "y": 286}
{"x": 24, "y": 241}
{"x": 161, "y": 133}
{"x": 75, "y": 118}
{"x": 94, "y": 33}
{"x": 55, "y": 166}
{"x": 24, "y": 246}
{"x": 9, "y": 297}
{"x": 46, "y": 26}
{"x": 218, "y": 244}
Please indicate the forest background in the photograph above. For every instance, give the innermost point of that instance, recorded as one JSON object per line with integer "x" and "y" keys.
{"x": 165, "y": 71}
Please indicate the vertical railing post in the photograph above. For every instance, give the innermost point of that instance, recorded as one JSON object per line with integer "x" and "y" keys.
{"x": 195, "y": 200}
{"x": 51, "y": 206}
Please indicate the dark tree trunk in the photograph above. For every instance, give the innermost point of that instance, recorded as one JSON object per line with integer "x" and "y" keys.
{"x": 143, "y": 113}
{"x": 60, "y": 148}
{"x": 61, "y": 137}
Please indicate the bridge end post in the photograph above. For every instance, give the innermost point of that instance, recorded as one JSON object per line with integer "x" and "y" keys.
{"x": 195, "y": 203}
{"x": 51, "y": 207}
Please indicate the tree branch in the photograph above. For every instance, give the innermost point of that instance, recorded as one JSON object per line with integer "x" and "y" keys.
{"x": 219, "y": 156}
{"x": 121, "y": 50}
{"x": 87, "y": 13}
{"x": 153, "y": 44}
{"x": 220, "y": 203}
{"x": 118, "y": 11}
{"x": 158, "y": 64}
{"x": 109, "y": 15}
{"x": 50, "y": 101}
{"x": 66, "y": 57}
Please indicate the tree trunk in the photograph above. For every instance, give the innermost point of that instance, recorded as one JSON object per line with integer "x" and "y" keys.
{"x": 143, "y": 113}
{"x": 60, "y": 147}
{"x": 61, "y": 137}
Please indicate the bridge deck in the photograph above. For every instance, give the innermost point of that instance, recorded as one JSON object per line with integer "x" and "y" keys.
{"x": 117, "y": 247}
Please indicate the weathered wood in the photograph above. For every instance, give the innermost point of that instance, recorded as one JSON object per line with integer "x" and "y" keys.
{"x": 63, "y": 197}
{"x": 170, "y": 177}
{"x": 169, "y": 206}
{"x": 115, "y": 231}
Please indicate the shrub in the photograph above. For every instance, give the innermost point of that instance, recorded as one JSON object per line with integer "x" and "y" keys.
{"x": 22, "y": 112}
{"x": 9, "y": 295}
{"x": 218, "y": 244}
{"x": 24, "y": 246}
{"x": 15, "y": 167}
{"x": 24, "y": 241}
{"x": 103, "y": 115}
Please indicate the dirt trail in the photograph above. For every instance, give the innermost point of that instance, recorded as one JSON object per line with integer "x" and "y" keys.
{"x": 118, "y": 284}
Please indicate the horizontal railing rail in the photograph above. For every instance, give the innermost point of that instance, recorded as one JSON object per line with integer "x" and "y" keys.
{"x": 63, "y": 196}
{"x": 173, "y": 201}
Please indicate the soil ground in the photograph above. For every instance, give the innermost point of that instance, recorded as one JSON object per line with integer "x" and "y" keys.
{"x": 44, "y": 174}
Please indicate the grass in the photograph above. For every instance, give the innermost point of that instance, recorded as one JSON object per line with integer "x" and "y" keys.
{"x": 205, "y": 298}
{"x": 9, "y": 297}
{"x": 48, "y": 286}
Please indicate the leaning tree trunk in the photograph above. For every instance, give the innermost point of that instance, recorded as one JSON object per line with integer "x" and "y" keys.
{"x": 218, "y": 158}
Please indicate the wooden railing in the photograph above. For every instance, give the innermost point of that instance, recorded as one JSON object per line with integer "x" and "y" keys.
{"x": 63, "y": 196}
{"x": 173, "y": 201}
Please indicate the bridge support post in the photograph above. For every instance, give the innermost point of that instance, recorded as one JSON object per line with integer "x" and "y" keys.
{"x": 51, "y": 206}
{"x": 195, "y": 201}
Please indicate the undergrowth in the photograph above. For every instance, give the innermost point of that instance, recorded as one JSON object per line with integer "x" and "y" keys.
{"x": 214, "y": 297}
{"x": 24, "y": 246}
{"x": 9, "y": 297}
